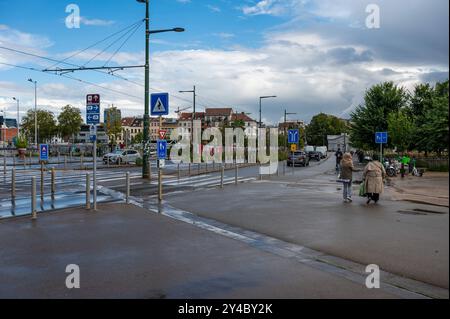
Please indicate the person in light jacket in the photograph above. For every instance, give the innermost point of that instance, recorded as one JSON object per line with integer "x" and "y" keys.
{"x": 347, "y": 170}
{"x": 374, "y": 175}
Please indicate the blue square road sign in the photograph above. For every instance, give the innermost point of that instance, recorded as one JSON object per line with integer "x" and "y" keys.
{"x": 43, "y": 152}
{"x": 160, "y": 104}
{"x": 294, "y": 136}
{"x": 162, "y": 149}
{"x": 381, "y": 137}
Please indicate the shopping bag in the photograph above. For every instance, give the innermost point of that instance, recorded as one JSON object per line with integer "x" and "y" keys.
{"x": 362, "y": 189}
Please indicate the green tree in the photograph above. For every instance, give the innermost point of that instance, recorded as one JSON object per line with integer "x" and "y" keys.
{"x": 379, "y": 101}
{"x": 46, "y": 125}
{"x": 69, "y": 122}
{"x": 113, "y": 123}
{"x": 323, "y": 125}
{"x": 401, "y": 130}
{"x": 433, "y": 133}
{"x": 138, "y": 139}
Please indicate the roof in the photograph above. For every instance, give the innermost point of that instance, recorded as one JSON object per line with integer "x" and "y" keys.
{"x": 242, "y": 117}
{"x": 188, "y": 116}
{"x": 128, "y": 121}
{"x": 219, "y": 112}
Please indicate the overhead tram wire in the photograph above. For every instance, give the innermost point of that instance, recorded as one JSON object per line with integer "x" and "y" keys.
{"x": 132, "y": 31}
{"x": 72, "y": 78}
{"x": 93, "y": 45}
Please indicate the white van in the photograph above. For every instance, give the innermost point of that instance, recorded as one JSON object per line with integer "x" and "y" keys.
{"x": 309, "y": 149}
{"x": 322, "y": 150}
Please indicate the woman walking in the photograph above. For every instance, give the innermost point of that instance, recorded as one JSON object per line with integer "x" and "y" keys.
{"x": 374, "y": 175}
{"x": 347, "y": 170}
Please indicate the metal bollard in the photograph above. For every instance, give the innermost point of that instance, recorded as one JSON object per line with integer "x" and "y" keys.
{"x": 128, "y": 188}
{"x": 53, "y": 181}
{"x": 189, "y": 169}
{"x": 206, "y": 167}
{"x": 4, "y": 164}
{"x": 236, "y": 174}
{"x": 14, "y": 161}
{"x": 65, "y": 162}
{"x": 284, "y": 168}
{"x": 150, "y": 170}
{"x": 260, "y": 175}
{"x": 13, "y": 183}
{"x": 81, "y": 162}
{"x": 33, "y": 198}
{"x": 222, "y": 174}
{"x": 199, "y": 168}
{"x": 42, "y": 180}
{"x": 179, "y": 173}
{"x": 31, "y": 159}
{"x": 88, "y": 191}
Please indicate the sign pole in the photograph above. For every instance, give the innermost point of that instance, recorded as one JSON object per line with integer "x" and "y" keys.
{"x": 160, "y": 190}
{"x": 95, "y": 174}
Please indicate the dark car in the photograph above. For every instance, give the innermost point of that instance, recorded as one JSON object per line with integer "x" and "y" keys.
{"x": 298, "y": 158}
{"x": 315, "y": 156}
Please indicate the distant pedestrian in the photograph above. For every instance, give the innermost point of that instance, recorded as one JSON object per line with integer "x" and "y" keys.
{"x": 339, "y": 156}
{"x": 374, "y": 176}
{"x": 346, "y": 177}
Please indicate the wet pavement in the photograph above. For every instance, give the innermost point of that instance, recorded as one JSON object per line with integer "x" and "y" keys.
{"x": 127, "y": 252}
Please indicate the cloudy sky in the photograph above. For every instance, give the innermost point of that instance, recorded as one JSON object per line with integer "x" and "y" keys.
{"x": 315, "y": 55}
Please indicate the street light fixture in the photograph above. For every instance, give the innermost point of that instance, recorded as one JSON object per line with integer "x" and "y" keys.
{"x": 193, "y": 112}
{"x": 145, "y": 166}
{"x": 35, "y": 112}
{"x": 18, "y": 112}
{"x": 260, "y": 107}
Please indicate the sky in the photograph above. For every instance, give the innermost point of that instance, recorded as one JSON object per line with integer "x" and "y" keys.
{"x": 314, "y": 55}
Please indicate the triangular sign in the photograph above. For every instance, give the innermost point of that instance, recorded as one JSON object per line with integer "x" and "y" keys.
{"x": 162, "y": 135}
{"x": 159, "y": 107}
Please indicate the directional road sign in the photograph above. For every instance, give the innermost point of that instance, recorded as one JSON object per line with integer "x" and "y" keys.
{"x": 294, "y": 136}
{"x": 93, "y": 119}
{"x": 162, "y": 149}
{"x": 381, "y": 137}
{"x": 43, "y": 152}
{"x": 160, "y": 104}
{"x": 93, "y": 109}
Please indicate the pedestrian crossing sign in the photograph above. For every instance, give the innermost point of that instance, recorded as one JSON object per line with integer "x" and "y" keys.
{"x": 160, "y": 104}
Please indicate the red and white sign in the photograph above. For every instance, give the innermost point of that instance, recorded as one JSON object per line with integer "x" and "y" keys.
{"x": 162, "y": 135}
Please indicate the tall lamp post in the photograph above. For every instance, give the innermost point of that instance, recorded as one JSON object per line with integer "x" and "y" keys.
{"x": 260, "y": 107}
{"x": 193, "y": 112}
{"x": 145, "y": 164}
{"x": 18, "y": 115}
{"x": 35, "y": 112}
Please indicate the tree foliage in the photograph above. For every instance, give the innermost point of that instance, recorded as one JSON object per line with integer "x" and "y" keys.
{"x": 323, "y": 125}
{"x": 379, "y": 101}
{"x": 401, "y": 130}
{"x": 69, "y": 121}
{"x": 46, "y": 125}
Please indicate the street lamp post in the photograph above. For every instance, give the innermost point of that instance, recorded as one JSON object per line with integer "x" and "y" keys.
{"x": 35, "y": 112}
{"x": 260, "y": 107}
{"x": 193, "y": 112}
{"x": 145, "y": 164}
{"x": 18, "y": 115}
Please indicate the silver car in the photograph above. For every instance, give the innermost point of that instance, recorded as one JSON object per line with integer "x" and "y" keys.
{"x": 121, "y": 157}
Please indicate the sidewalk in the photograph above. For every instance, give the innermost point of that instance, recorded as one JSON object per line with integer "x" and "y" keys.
{"x": 432, "y": 188}
{"x": 127, "y": 252}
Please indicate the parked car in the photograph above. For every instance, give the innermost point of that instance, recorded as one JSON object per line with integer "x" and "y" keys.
{"x": 323, "y": 150}
{"x": 309, "y": 148}
{"x": 298, "y": 158}
{"x": 121, "y": 157}
{"x": 314, "y": 155}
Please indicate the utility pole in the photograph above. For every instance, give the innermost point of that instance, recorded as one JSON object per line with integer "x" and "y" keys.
{"x": 35, "y": 112}
{"x": 193, "y": 112}
{"x": 18, "y": 116}
{"x": 145, "y": 164}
